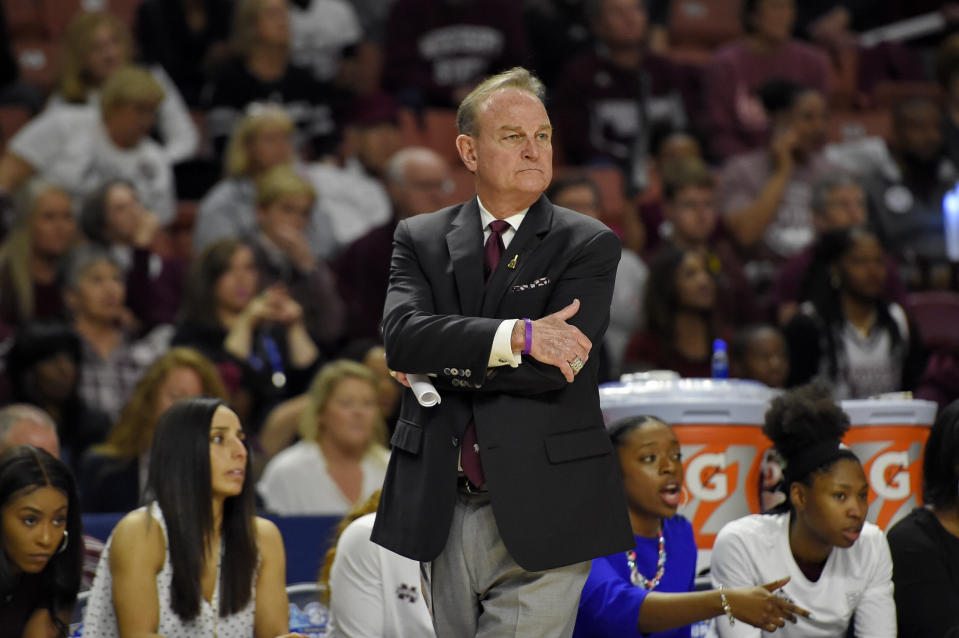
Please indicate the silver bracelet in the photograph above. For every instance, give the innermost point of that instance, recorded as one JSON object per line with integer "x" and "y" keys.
{"x": 725, "y": 605}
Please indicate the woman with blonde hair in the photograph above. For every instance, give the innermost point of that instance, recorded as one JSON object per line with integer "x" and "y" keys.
{"x": 96, "y": 44}
{"x": 79, "y": 148}
{"x": 262, "y": 140}
{"x": 32, "y": 253}
{"x": 261, "y": 68}
{"x": 114, "y": 474}
{"x": 341, "y": 457}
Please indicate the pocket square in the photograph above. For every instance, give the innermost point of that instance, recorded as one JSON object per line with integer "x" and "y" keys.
{"x": 536, "y": 283}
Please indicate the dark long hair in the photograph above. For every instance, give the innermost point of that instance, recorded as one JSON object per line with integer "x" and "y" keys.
{"x": 180, "y": 478}
{"x": 662, "y": 298}
{"x": 799, "y": 420}
{"x": 36, "y": 342}
{"x": 819, "y": 289}
{"x": 941, "y": 458}
{"x": 23, "y": 469}
{"x": 199, "y": 302}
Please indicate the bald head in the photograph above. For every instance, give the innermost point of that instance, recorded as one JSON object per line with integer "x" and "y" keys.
{"x": 419, "y": 181}
{"x": 22, "y": 424}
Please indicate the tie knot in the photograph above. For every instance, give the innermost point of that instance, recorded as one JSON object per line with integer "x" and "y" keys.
{"x": 498, "y": 226}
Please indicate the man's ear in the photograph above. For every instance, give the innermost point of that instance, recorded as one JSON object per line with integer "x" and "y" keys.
{"x": 466, "y": 147}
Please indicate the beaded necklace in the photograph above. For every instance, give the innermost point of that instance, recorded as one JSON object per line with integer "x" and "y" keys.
{"x": 638, "y": 579}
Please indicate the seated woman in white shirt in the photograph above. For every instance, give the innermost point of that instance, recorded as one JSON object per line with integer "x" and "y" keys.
{"x": 341, "y": 458}
{"x": 80, "y": 149}
{"x": 196, "y": 561}
{"x": 370, "y": 590}
{"x": 96, "y": 44}
{"x": 839, "y": 565}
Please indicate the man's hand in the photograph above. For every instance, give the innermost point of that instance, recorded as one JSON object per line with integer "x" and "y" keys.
{"x": 556, "y": 342}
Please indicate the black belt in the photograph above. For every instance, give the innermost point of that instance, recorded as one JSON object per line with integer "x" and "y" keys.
{"x": 463, "y": 484}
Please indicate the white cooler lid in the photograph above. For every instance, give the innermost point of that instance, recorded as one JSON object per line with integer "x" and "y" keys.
{"x": 890, "y": 412}
{"x": 688, "y": 401}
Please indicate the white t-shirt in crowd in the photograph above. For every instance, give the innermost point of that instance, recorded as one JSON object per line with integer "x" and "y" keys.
{"x": 856, "y": 581}
{"x": 295, "y": 481}
{"x": 321, "y": 31}
{"x": 374, "y": 592}
{"x": 69, "y": 146}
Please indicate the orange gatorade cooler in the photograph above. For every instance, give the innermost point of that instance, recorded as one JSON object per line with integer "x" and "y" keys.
{"x": 889, "y": 436}
{"x": 718, "y": 424}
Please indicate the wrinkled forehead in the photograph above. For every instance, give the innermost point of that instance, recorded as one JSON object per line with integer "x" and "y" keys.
{"x": 512, "y": 107}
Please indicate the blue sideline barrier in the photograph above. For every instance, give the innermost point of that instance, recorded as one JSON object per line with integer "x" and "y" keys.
{"x": 306, "y": 539}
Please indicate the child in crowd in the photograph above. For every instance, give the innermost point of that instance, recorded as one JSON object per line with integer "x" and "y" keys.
{"x": 758, "y": 352}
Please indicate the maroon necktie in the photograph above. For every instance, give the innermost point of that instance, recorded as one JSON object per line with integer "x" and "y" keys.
{"x": 469, "y": 455}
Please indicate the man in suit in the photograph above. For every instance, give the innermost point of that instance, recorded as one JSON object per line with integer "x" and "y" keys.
{"x": 507, "y": 488}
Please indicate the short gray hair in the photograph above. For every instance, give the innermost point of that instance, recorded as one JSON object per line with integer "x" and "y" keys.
{"x": 823, "y": 188}
{"x": 80, "y": 259}
{"x": 516, "y": 78}
{"x": 14, "y": 413}
{"x": 396, "y": 165}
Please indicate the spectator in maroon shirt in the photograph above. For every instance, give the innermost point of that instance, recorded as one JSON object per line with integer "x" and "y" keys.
{"x": 681, "y": 316}
{"x": 838, "y": 201}
{"x": 32, "y": 253}
{"x": 609, "y": 100}
{"x": 736, "y": 117}
{"x": 436, "y": 50}
{"x": 692, "y": 217}
{"x": 418, "y": 181}
{"x": 113, "y": 217}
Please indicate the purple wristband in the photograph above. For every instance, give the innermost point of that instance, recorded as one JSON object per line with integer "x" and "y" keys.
{"x": 529, "y": 335}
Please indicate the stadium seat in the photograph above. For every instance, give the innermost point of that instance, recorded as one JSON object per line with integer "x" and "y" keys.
{"x": 704, "y": 24}
{"x": 937, "y": 315}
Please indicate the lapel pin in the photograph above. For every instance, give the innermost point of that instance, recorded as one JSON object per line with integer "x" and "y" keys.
{"x": 512, "y": 262}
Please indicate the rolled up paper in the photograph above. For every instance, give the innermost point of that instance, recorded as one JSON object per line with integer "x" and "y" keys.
{"x": 424, "y": 390}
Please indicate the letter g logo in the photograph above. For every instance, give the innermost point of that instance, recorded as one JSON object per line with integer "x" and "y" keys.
{"x": 715, "y": 487}
{"x": 896, "y": 486}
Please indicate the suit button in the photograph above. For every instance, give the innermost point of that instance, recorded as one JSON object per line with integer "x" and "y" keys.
{"x": 455, "y": 442}
{"x": 454, "y": 371}
{"x": 467, "y": 373}
{"x": 446, "y": 371}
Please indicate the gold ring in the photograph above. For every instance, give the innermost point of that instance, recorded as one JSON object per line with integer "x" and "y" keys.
{"x": 576, "y": 364}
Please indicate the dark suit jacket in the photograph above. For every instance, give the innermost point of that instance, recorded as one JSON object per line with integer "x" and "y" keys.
{"x": 554, "y": 482}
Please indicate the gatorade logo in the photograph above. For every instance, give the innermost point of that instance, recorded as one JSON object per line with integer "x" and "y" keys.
{"x": 705, "y": 478}
{"x": 888, "y": 475}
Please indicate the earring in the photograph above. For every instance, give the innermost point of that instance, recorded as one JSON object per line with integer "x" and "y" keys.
{"x": 65, "y": 542}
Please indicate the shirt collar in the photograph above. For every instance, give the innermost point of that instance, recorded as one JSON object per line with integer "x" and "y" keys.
{"x": 513, "y": 220}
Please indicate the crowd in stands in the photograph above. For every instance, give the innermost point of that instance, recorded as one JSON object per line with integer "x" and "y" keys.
{"x": 198, "y": 199}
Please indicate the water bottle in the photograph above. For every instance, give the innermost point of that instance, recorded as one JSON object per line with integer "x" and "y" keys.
{"x": 950, "y": 223}
{"x": 720, "y": 360}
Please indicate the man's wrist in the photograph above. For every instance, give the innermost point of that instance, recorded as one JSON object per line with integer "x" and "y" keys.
{"x": 517, "y": 340}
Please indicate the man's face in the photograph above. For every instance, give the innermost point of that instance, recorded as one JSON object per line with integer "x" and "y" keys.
{"x": 621, "y": 23}
{"x": 845, "y": 206}
{"x": 693, "y": 214}
{"x": 426, "y": 186}
{"x": 918, "y": 131}
{"x": 374, "y": 145}
{"x": 512, "y": 153}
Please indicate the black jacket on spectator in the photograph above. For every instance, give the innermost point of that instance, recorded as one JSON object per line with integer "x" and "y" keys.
{"x": 925, "y": 560}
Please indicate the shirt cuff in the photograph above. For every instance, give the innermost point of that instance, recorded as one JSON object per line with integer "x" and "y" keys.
{"x": 502, "y": 352}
